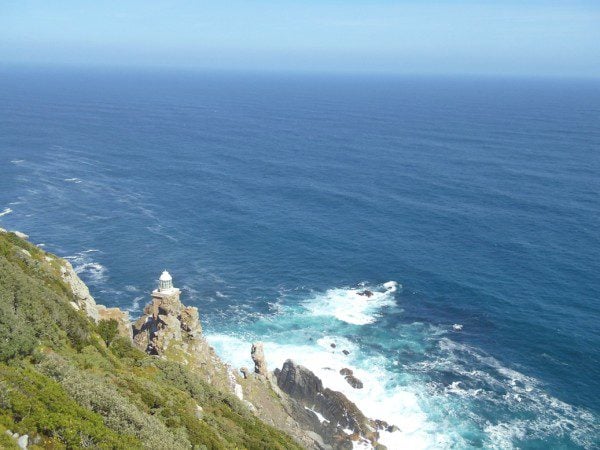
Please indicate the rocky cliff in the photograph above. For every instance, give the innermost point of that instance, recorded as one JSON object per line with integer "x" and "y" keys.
{"x": 108, "y": 376}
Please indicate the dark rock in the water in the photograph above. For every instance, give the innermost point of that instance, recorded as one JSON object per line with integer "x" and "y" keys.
{"x": 366, "y": 293}
{"x": 380, "y": 424}
{"x": 392, "y": 429}
{"x": 348, "y": 374}
{"x": 332, "y": 345}
{"x": 354, "y": 382}
{"x": 345, "y": 352}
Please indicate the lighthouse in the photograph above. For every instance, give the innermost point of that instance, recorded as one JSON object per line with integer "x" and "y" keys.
{"x": 165, "y": 293}
{"x": 165, "y": 282}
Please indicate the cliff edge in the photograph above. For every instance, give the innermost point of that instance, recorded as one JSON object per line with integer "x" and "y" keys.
{"x": 154, "y": 383}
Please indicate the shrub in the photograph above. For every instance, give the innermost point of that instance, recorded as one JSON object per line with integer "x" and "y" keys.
{"x": 97, "y": 394}
{"x": 122, "y": 348}
{"x": 38, "y": 405}
{"x": 108, "y": 330}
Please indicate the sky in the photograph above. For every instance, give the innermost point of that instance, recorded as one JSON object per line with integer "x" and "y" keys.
{"x": 495, "y": 37}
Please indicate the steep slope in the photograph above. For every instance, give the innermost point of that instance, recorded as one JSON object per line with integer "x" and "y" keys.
{"x": 69, "y": 382}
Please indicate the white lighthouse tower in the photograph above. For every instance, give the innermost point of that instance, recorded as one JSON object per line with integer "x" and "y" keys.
{"x": 164, "y": 294}
{"x": 165, "y": 282}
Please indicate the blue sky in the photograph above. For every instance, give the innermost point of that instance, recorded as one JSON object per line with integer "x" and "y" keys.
{"x": 541, "y": 37}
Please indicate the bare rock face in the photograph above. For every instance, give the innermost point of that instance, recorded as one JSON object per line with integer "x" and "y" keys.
{"x": 84, "y": 299}
{"x": 165, "y": 321}
{"x": 171, "y": 330}
{"x": 339, "y": 413}
{"x": 258, "y": 356}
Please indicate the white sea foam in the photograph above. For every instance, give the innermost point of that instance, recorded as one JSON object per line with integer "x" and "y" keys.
{"x": 73, "y": 180}
{"x": 433, "y": 399}
{"x": 83, "y": 265}
{"x": 378, "y": 399}
{"x": 348, "y": 305}
{"x": 320, "y": 416}
{"x": 5, "y": 212}
{"x": 135, "y": 305}
{"x": 17, "y": 161}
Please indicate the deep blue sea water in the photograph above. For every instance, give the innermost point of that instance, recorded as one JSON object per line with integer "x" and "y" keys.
{"x": 274, "y": 199}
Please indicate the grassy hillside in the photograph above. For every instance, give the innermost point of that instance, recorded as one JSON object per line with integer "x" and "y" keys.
{"x": 63, "y": 386}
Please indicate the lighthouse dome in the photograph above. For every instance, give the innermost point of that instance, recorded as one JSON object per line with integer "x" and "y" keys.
{"x": 166, "y": 276}
{"x": 165, "y": 282}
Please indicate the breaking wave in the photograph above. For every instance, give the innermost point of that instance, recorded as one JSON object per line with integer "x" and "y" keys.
{"x": 5, "y": 212}
{"x": 445, "y": 395}
{"x": 91, "y": 271}
{"x": 357, "y": 306}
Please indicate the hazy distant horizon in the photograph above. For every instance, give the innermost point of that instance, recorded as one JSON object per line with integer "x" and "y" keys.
{"x": 150, "y": 70}
{"x": 543, "y": 38}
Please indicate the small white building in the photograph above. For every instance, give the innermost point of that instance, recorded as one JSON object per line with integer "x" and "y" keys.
{"x": 165, "y": 292}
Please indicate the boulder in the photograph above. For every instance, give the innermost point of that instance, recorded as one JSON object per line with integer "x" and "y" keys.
{"x": 23, "y": 441}
{"x": 199, "y": 412}
{"x": 348, "y": 374}
{"x": 21, "y": 235}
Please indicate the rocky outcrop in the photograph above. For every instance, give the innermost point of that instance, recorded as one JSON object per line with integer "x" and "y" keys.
{"x": 166, "y": 321}
{"x": 171, "y": 330}
{"x": 258, "y": 356}
{"x": 83, "y": 298}
{"x": 339, "y": 414}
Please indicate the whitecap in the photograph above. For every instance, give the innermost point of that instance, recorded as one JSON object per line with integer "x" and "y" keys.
{"x": 354, "y": 306}
{"x": 5, "y": 212}
{"x": 89, "y": 269}
{"x": 135, "y": 305}
{"x": 73, "y": 180}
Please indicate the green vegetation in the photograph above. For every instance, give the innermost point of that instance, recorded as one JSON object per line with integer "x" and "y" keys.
{"x": 108, "y": 330}
{"x": 69, "y": 383}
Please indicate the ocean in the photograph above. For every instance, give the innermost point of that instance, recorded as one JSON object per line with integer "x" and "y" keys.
{"x": 275, "y": 200}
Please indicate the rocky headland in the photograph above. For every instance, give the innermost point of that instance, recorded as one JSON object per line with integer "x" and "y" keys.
{"x": 291, "y": 399}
